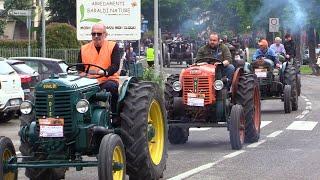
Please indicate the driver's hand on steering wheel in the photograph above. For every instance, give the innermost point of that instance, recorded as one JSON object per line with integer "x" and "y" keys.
{"x": 225, "y": 63}
{"x": 102, "y": 73}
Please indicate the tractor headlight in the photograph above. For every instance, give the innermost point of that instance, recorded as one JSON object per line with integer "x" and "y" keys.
{"x": 218, "y": 85}
{"x": 26, "y": 107}
{"x": 176, "y": 86}
{"x": 82, "y": 106}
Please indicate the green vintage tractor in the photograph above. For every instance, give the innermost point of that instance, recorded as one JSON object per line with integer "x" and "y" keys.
{"x": 70, "y": 117}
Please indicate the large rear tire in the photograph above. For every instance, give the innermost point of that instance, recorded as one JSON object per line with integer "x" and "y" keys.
{"x": 237, "y": 127}
{"x": 248, "y": 95}
{"x": 7, "y": 151}
{"x": 26, "y": 149}
{"x": 144, "y": 131}
{"x": 111, "y": 158}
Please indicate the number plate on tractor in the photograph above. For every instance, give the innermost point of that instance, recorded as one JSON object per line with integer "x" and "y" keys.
{"x": 262, "y": 73}
{"x": 51, "y": 127}
{"x": 195, "y": 99}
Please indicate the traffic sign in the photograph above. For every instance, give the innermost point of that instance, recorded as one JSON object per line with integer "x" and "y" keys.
{"x": 274, "y": 24}
{"x": 15, "y": 12}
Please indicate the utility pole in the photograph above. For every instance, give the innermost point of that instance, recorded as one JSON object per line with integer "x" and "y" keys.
{"x": 43, "y": 47}
{"x": 156, "y": 35}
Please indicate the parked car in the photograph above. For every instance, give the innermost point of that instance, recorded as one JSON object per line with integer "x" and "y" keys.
{"x": 11, "y": 93}
{"x": 29, "y": 77}
{"x": 306, "y": 56}
{"x": 44, "y": 66}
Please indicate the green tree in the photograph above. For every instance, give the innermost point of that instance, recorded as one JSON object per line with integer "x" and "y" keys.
{"x": 63, "y": 11}
{"x": 61, "y": 35}
{"x": 17, "y": 4}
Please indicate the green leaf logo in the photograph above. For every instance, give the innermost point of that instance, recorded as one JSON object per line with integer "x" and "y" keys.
{"x": 94, "y": 20}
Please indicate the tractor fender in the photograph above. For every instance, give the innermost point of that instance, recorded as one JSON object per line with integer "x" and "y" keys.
{"x": 247, "y": 67}
{"x": 124, "y": 87}
{"x": 235, "y": 81}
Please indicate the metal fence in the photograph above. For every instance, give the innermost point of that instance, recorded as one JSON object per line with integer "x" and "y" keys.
{"x": 69, "y": 55}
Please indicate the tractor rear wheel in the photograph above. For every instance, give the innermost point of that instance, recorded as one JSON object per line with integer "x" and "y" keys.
{"x": 248, "y": 95}
{"x": 290, "y": 76}
{"x": 287, "y": 99}
{"x": 111, "y": 158}
{"x": 7, "y": 151}
{"x": 144, "y": 131}
{"x": 26, "y": 149}
{"x": 178, "y": 135}
{"x": 237, "y": 127}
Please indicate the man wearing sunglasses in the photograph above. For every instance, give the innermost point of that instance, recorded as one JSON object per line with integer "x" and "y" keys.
{"x": 105, "y": 54}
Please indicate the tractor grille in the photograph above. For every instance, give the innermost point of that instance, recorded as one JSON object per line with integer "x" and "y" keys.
{"x": 61, "y": 107}
{"x": 204, "y": 86}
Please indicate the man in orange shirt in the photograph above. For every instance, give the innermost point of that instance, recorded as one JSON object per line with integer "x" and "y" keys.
{"x": 105, "y": 54}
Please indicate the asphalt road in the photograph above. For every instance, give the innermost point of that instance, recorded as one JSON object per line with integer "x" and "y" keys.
{"x": 289, "y": 146}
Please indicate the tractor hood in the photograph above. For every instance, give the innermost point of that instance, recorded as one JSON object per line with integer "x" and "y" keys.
{"x": 66, "y": 82}
{"x": 200, "y": 69}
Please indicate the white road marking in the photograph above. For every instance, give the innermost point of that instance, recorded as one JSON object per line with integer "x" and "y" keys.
{"x": 18, "y": 152}
{"x": 305, "y": 112}
{"x": 309, "y": 108}
{"x": 206, "y": 166}
{"x": 302, "y": 125}
{"x": 303, "y": 97}
{"x": 264, "y": 123}
{"x": 300, "y": 116}
{"x": 199, "y": 129}
{"x": 274, "y": 134}
{"x": 196, "y": 170}
{"x": 306, "y": 99}
{"x": 234, "y": 154}
{"x": 309, "y": 103}
{"x": 254, "y": 145}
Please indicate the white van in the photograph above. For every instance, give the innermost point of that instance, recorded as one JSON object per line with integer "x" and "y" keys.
{"x": 11, "y": 93}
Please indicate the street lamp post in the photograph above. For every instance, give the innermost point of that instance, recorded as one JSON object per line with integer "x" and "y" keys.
{"x": 156, "y": 35}
{"x": 43, "y": 29}
{"x": 29, "y": 32}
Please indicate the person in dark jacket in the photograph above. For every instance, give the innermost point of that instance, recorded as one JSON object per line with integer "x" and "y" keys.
{"x": 219, "y": 51}
{"x": 289, "y": 46}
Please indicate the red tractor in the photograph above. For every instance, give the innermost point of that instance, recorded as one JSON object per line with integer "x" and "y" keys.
{"x": 200, "y": 97}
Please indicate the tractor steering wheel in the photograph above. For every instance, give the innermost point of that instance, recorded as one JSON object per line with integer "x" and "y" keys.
{"x": 85, "y": 68}
{"x": 209, "y": 60}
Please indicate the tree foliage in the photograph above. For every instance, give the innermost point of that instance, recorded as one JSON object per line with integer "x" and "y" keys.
{"x": 17, "y": 4}
{"x": 63, "y": 11}
{"x": 61, "y": 35}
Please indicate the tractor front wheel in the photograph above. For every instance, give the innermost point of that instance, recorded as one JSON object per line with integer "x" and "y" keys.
{"x": 178, "y": 135}
{"x": 111, "y": 158}
{"x": 7, "y": 151}
{"x": 144, "y": 131}
{"x": 248, "y": 95}
{"x": 287, "y": 99}
{"x": 237, "y": 127}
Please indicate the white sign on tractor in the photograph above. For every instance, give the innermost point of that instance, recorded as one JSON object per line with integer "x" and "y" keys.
{"x": 121, "y": 17}
{"x": 274, "y": 24}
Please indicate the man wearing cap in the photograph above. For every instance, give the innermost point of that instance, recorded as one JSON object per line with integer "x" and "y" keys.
{"x": 105, "y": 54}
{"x": 218, "y": 50}
{"x": 265, "y": 52}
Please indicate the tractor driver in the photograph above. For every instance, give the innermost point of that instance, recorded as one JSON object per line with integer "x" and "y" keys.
{"x": 220, "y": 51}
{"x": 105, "y": 54}
{"x": 265, "y": 52}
